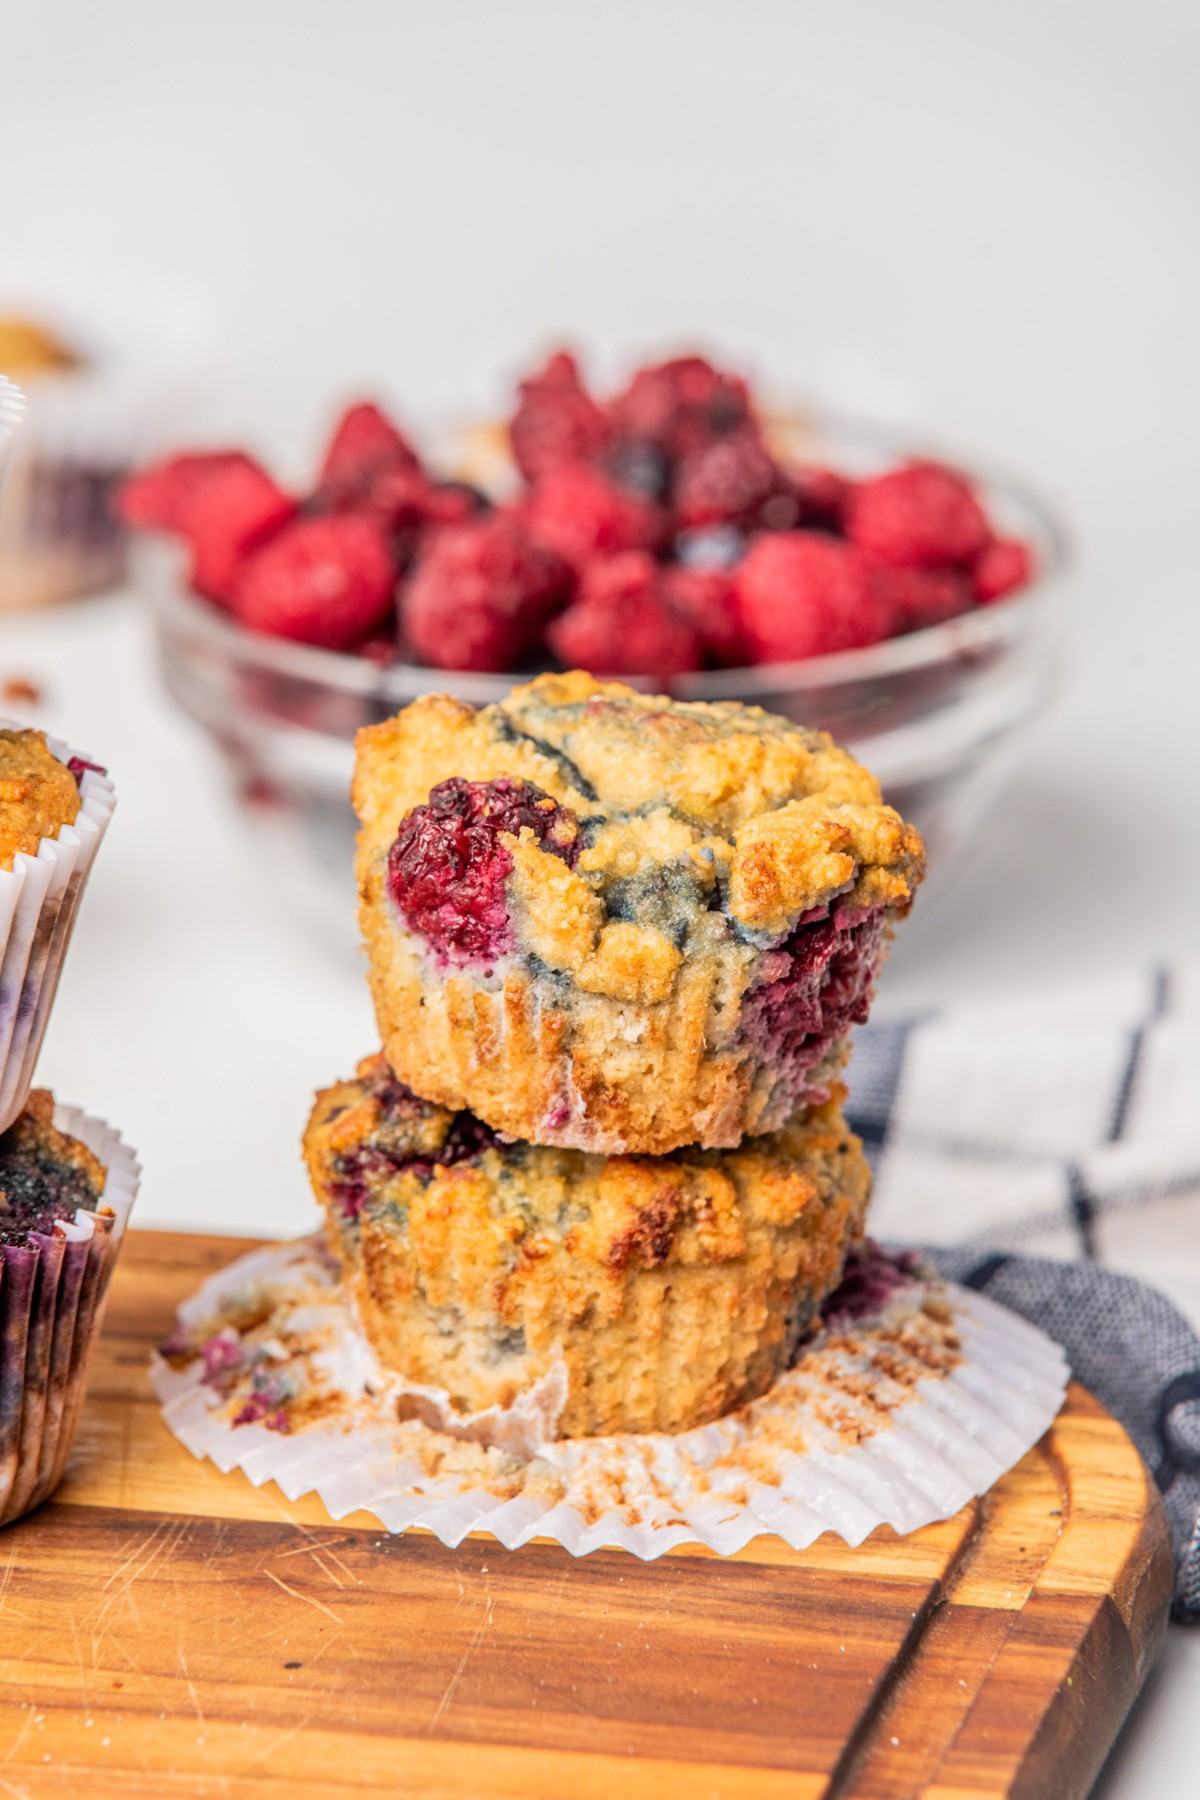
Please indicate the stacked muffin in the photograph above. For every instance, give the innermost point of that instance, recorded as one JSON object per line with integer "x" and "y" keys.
{"x": 616, "y": 947}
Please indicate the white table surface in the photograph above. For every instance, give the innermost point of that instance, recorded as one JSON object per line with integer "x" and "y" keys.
{"x": 982, "y": 215}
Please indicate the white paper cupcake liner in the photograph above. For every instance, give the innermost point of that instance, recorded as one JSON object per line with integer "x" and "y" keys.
{"x": 12, "y": 411}
{"x": 899, "y": 1420}
{"x": 52, "y": 1293}
{"x": 39, "y": 898}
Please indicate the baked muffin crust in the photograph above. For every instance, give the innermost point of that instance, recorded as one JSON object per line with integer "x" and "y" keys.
{"x": 45, "y": 1174}
{"x": 685, "y": 863}
{"x": 38, "y": 794}
{"x": 667, "y": 1290}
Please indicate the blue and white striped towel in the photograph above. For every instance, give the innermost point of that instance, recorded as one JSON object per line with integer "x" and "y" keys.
{"x": 1046, "y": 1149}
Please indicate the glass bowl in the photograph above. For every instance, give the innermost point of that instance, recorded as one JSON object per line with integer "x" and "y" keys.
{"x": 939, "y": 715}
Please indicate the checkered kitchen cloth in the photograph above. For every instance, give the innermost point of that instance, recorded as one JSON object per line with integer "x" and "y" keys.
{"x": 1046, "y": 1150}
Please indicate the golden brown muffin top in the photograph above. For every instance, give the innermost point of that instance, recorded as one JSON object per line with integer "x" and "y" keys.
{"x": 372, "y": 1143}
{"x": 27, "y": 348}
{"x": 38, "y": 794}
{"x": 683, "y": 808}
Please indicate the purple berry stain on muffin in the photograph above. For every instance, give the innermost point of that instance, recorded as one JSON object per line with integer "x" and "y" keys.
{"x": 447, "y": 869}
{"x": 814, "y": 987}
{"x": 79, "y": 766}
{"x": 45, "y": 1176}
{"x": 402, "y": 1144}
{"x": 872, "y": 1276}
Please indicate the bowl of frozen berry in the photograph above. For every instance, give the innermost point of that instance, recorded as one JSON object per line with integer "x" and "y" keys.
{"x": 677, "y": 534}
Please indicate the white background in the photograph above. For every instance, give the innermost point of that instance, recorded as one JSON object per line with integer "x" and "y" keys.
{"x": 983, "y": 215}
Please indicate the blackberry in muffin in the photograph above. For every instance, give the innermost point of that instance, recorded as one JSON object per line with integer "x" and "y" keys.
{"x": 45, "y": 1175}
{"x": 614, "y": 922}
{"x": 665, "y": 1290}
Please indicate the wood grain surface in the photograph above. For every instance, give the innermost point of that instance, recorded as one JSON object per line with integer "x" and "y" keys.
{"x": 168, "y": 1630}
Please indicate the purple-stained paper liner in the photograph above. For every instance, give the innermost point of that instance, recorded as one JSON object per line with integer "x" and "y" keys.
{"x": 898, "y": 1418}
{"x": 52, "y": 1295}
{"x": 39, "y": 897}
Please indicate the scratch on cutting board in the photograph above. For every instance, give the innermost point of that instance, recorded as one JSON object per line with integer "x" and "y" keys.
{"x": 8, "y": 1574}
{"x": 320, "y": 1562}
{"x": 347, "y": 1571}
{"x": 475, "y": 1640}
{"x": 326, "y": 1548}
{"x": 159, "y": 1543}
{"x": 285, "y": 1737}
{"x": 18, "y": 1793}
{"x": 192, "y": 1689}
{"x": 75, "y": 1644}
{"x": 307, "y": 1598}
{"x": 24, "y": 1732}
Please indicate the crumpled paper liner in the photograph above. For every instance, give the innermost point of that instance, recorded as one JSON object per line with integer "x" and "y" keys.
{"x": 39, "y": 897}
{"x": 898, "y": 1419}
{"x": 51, "y": 1307}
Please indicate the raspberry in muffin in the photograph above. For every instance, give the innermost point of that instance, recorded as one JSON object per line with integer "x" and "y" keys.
{"x": 613, "y": 922}
{"x": 38, "y": 794}
{"x": 665, "y": 1290}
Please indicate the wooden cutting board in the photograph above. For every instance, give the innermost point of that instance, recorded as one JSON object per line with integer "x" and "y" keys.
{"x": 167, "y": 1630}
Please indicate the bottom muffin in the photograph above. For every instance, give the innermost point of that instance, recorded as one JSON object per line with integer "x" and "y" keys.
{"x": 666, "y": 1289}
{"x": 62, "y": 1214}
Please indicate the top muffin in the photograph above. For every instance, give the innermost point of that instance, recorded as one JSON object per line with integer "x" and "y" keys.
{"x": 617, "y": 922}
{"x": 38, "y": 794}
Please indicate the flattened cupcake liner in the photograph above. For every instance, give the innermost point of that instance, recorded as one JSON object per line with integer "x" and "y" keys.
{"x": 39, "y": 897}
{"x": 898, "y": 1418}
{"x": 51, "y": 1306}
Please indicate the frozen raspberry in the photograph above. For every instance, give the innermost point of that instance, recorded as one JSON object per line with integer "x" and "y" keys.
{"x": 1000, "y": 568}
{"x": 222, "y": 502}
{"x": 364, "y": 443}
{"x": 156, "y": 498}
{"x": 577, "y": 513}
{"x": 917, "y": 517}
{"x": 480, "y": 594}
{"x": 681, "y": 405}
{"x": 623, "y": 624}
{"x": 782, "y": 509}
{"x": 822, "y": 496}
{"x": 454, "y": 502}
{"x": 914, "y": 598}
{"x": 556, "y": 422}
{"x": 801, "y": 594}
{"x": 447, "y": 868}
{"x": 706, "y": 599}
{"x": 727, "y": 481}
{"x": 229, "y": 510}
{"x": 321, "y": 581}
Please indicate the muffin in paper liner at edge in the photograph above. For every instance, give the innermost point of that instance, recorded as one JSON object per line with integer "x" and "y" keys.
{"x": 43, "y": 871}
{"x": 67, "y": 1185}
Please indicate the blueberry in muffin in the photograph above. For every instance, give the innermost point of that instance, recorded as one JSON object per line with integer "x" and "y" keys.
{"x": 615, "y": 922}
{"x": 45, "y": 1175}
{"x": 665, "y": 1290}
